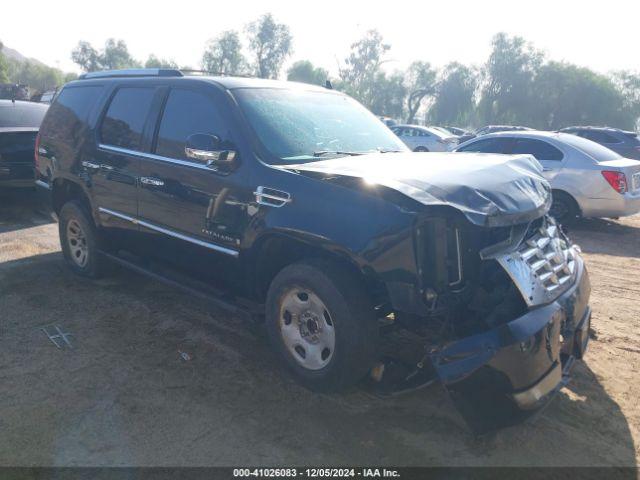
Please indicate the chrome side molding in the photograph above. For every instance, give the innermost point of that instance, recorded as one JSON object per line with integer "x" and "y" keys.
{"x": 171, "y": 233}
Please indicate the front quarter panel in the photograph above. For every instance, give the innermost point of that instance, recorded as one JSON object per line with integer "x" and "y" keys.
{"x": 370, "y": 232}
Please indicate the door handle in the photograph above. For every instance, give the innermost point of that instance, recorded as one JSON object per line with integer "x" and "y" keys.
{"x": 97, "y": 166}
{"x": 91, "y": 165}
{"x": 154, "y": 182}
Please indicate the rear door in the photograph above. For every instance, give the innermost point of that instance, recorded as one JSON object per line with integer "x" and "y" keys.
{"x": 549, "y": 156}
{"x": 123, "y": 134}
{"x": 188, "y": 208}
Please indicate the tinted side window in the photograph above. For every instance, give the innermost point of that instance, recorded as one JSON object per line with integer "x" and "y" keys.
{"x": 70, "y": 111}
{"x": 539, "y": 149}
{"x": 124, "y": 121}
{"x": 489, "y": 145}
{"x": 601, "y": 137}
{"x": 185, "y": 113}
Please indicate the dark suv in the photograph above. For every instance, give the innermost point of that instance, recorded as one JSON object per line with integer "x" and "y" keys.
{"x": 623, "y": 142}
{"x": 295, "y": 205}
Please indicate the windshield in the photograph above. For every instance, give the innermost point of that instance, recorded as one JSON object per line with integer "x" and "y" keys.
{"x": 303, "y": 125}
{"x": 593, "y": 149}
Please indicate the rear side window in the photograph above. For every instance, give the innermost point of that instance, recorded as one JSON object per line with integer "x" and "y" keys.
{"x": 488, "y": 145}
{"x": 539, "y": 149}
{"x": 70, "y": 111}
{"x": 600, "y": 137}
{"x": 124, "y": 121}
{"x": 185, "y": 113}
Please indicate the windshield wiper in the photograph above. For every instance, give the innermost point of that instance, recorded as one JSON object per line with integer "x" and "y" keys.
{"x": 321, "y": 153}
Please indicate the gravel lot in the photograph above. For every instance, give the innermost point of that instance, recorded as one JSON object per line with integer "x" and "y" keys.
{"x": 124, "y": 394}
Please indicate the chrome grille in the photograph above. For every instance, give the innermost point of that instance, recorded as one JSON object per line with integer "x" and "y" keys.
{"x": 544, "y": 264}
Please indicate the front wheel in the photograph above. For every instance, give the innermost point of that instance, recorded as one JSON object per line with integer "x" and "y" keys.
{"x": 322, "y": 324}
{"x": 421, "y": 149}
{"x": 79, "y": 240}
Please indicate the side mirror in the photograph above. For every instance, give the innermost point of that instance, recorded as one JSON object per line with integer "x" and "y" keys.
{"x": 210, "y": 150}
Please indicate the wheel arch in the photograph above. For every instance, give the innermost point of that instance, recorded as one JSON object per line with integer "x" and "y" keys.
{"x": 64, "y": 190}
{"x": 571, "y": 197}
{"x": 273, "y": 251}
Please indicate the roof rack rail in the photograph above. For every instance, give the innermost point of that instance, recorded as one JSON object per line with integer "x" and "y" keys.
{"x": 133, "y": 72}
{"x": 191, "y": 71}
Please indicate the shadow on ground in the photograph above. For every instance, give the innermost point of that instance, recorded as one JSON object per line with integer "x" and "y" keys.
{"x": 155, "y": 378}
{"x": 607, "y": 237}
{"x": 21, "y": 208}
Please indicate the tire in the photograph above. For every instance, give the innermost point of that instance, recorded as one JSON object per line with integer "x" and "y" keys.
{"x": 421, "y": 149}
{"x": 79, "y": 240}
{"x": 564, "y": 208}
{"x": 347, "y": 317}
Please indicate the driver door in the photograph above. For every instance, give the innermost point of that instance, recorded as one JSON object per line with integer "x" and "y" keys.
{"x": 192, "y": 211}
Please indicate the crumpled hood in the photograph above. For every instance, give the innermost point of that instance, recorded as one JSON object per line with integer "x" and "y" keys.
{"x": 489, "y": 189}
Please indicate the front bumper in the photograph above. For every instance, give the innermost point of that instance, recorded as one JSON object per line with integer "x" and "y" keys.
{"x": 503, "y": 376}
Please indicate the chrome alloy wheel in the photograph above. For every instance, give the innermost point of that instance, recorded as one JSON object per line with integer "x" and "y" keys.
{"x": 77, "y": 241}
{"x": 307, "y": 328}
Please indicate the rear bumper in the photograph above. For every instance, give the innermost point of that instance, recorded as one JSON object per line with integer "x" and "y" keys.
{"x": 618, "y": 206}
{"x": 503, "y": 376}
{"x": 16, "y": 175}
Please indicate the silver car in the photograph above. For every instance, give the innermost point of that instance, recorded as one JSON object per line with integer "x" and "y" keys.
{"x": 425, "y": 139}
{"x": 588, "y": 180}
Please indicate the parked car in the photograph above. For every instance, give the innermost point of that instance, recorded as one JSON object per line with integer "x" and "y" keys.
{"x": 457, "y": 130}
{"x": 45, "y": 97}
{"x": 424, "y": 139}
{"x": 19, "y": 124}
{"x": 14, "y": 91}
{"x": 296, "y": 206}
{"x": 588, "y": 179}
{"x": 490, "y": 129}
{"x": 388, "y": 121}
{"x": 623, "y": 142}
{"x": 499, "y": 128}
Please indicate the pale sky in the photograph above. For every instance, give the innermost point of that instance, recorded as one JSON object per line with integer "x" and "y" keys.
{"x": 602, "y": 35}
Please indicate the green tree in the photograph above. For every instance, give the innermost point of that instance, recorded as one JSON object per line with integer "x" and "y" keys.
{"x": 155, "y": 62}
{"x": 114, "y": 55}
{"x": 271, "y": 43}
{"x": 362, "y": 66}
{"x": 4, "y": 67}
{"x": 304, "y": 71}
{"x": 628, "y": 84}
{"x": 37, "y": 76}
{"x": 389, "y": 93}
{"x": 454, "y": 96}
{"x": 508, "y": 77}
{"x": 421, "y": 83}
{"x": 224, "y": 55}
{"x": 564, "y": 94}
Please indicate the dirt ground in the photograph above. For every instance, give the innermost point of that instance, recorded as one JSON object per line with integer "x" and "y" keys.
{"x": 126, "y": 395}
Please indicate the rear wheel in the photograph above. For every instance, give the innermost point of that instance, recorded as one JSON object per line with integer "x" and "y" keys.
{"x": 421, "y": 149}
{"x": 564, "y": 208}
{"x": 322, "y": 324}
{"x": 79, "y": 240}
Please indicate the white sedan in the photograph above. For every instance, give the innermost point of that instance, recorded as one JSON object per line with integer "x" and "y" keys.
{"x": 425, "y": 139}
{"x": 587, "y": 179}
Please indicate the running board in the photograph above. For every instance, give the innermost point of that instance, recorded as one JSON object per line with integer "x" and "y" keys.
{"x": 222, "y": 300}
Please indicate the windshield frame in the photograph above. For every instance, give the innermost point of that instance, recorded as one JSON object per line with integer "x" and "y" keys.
{"x": 269, "y": 158}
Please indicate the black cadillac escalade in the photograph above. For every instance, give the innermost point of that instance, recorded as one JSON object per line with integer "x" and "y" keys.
{"x": 295, "y": 204}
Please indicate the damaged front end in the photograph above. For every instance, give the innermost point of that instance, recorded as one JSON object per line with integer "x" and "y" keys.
{"x": 507, "y": 316}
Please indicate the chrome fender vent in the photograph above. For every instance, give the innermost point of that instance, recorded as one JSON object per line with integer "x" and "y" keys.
{"x": 544, "y": 264}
